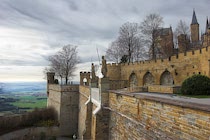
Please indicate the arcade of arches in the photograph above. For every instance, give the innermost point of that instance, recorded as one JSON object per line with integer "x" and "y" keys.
{"x": 148, "y": 79}
{"x": 133, "y": 80}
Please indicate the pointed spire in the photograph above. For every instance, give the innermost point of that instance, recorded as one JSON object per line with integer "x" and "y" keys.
{"x": 209, "y": 24}
{"x": 194, "y": 19}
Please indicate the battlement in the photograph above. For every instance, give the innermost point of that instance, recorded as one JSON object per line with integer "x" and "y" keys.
{"x": 180, "y": 56}
{"x": 84, "y": 78}
{"x": 179, "y": 66}
{"x": 64, "y": 88}
{"x": 84, "y": 72}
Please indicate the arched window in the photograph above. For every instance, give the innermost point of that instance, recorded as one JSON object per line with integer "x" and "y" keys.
{"x": 133, "y": 80}
{"x": 166, "y": 78}
{"x": 148, "y": 79}
{"x": 85, "y": 81}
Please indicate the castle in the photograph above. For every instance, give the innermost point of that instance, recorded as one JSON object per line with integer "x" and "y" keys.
{"x": 164, "y": 45}
{"x": 120, "y": 105}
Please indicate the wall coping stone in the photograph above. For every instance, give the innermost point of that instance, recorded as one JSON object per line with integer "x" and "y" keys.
{"x": 193, "y": 103}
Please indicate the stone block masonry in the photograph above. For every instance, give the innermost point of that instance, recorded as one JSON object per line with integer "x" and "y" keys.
{"x": 142, "y": 117}
{"x": 170, "y": 71}
{"x": 64, "y": 99}
{"x": 85, "y": 113}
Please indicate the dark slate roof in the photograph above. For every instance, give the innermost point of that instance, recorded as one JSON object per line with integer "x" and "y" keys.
{"x": 209, "y": 24}
{"x": 162, "y": 31}
{"x": 194, "y": 19}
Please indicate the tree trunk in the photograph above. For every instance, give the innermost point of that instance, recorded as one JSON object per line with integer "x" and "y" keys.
{"x": 66, "y": 80}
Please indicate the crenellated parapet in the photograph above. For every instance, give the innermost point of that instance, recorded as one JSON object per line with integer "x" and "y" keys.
{"x": 84, "y": 78}
{"x": 179, "y": 66}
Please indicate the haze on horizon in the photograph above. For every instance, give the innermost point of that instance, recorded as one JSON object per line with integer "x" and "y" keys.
{"x": 30, "y": 31}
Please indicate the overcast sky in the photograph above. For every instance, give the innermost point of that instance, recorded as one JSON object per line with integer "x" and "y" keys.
{"x": 31, "y": 30}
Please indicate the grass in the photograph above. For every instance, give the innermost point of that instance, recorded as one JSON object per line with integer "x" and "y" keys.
{"x": 30, "y": 102}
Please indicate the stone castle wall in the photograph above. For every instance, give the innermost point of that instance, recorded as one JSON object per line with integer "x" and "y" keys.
{"x": 119, "y": 115}
{"x": 84, "y": 120}
{"x": 65, "y": 101}
{"x": 141, "y": 117}
{"x": 129, "y": 116}
{"x": 180, "y": 67}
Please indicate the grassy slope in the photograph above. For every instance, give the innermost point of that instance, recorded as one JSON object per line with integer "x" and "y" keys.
{"x": 30, "y": 102}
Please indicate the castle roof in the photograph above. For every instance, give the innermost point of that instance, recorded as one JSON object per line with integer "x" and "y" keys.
{"x": 162, "y": 31}
{"x": 208, "y": 24}
{"x": 194, "y": 19}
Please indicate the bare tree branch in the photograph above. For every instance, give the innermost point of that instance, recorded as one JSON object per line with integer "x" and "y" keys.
{"x": 151, "y": 23}
{"x": 182, "y": 28}
{"x": 127, "y": 44}
{"x": 63, "y": 63}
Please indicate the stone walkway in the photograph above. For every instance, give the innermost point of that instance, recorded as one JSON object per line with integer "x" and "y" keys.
{"x": 204, "y": 101}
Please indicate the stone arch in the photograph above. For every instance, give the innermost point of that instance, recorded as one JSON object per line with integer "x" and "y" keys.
{"x": 133, "y": 80}
{"x": 84, "y": 75}
{"x": 166, "y": 78}
{"x": 84, "y": 81}
{"x": 148, "y": 79}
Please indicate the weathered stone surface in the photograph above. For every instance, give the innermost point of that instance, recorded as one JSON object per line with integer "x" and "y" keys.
{"x": 64, "y": 99}
{"x": 180, "y": 67}
{"x": 147, "y": 119}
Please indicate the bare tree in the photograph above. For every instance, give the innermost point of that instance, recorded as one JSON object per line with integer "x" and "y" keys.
{"x": 182, "y": 28}
{"x": 113, "y": 52}
{"x": 129, "y": 39}
{"x": 127, "y": 44}
{"x": 63, "y": 63}
{"x": 150, "y": 24}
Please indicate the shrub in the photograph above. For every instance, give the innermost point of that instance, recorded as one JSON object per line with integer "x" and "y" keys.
{"x": 43, "y": 117}
{"x": 38, "y": 115}
{"x": 196, "y": 85}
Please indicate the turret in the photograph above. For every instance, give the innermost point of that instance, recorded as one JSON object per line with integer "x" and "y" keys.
{"x": 194, "y": 29}
{"x": 50, "y": 80}
{"x": 183, "y": 43}
{"x": 84, "y": 78}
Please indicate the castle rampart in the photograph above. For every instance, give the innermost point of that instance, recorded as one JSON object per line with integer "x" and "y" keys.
{"x": 141, "y": 116}
{"x": 64, "y": 99}
{"x": 179, "y": 66}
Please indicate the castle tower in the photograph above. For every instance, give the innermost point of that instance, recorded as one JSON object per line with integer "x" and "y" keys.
{"x": 84, "y": 78}
{"x": 183, "y": 43}
{"x": 206, "y": 36}
{"x": 194, "y": 27}
{"x": 50, "y": 80}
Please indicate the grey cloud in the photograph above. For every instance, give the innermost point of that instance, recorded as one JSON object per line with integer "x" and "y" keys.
{"x": 68, "y": 21}
{"x": 36, "y": 62}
